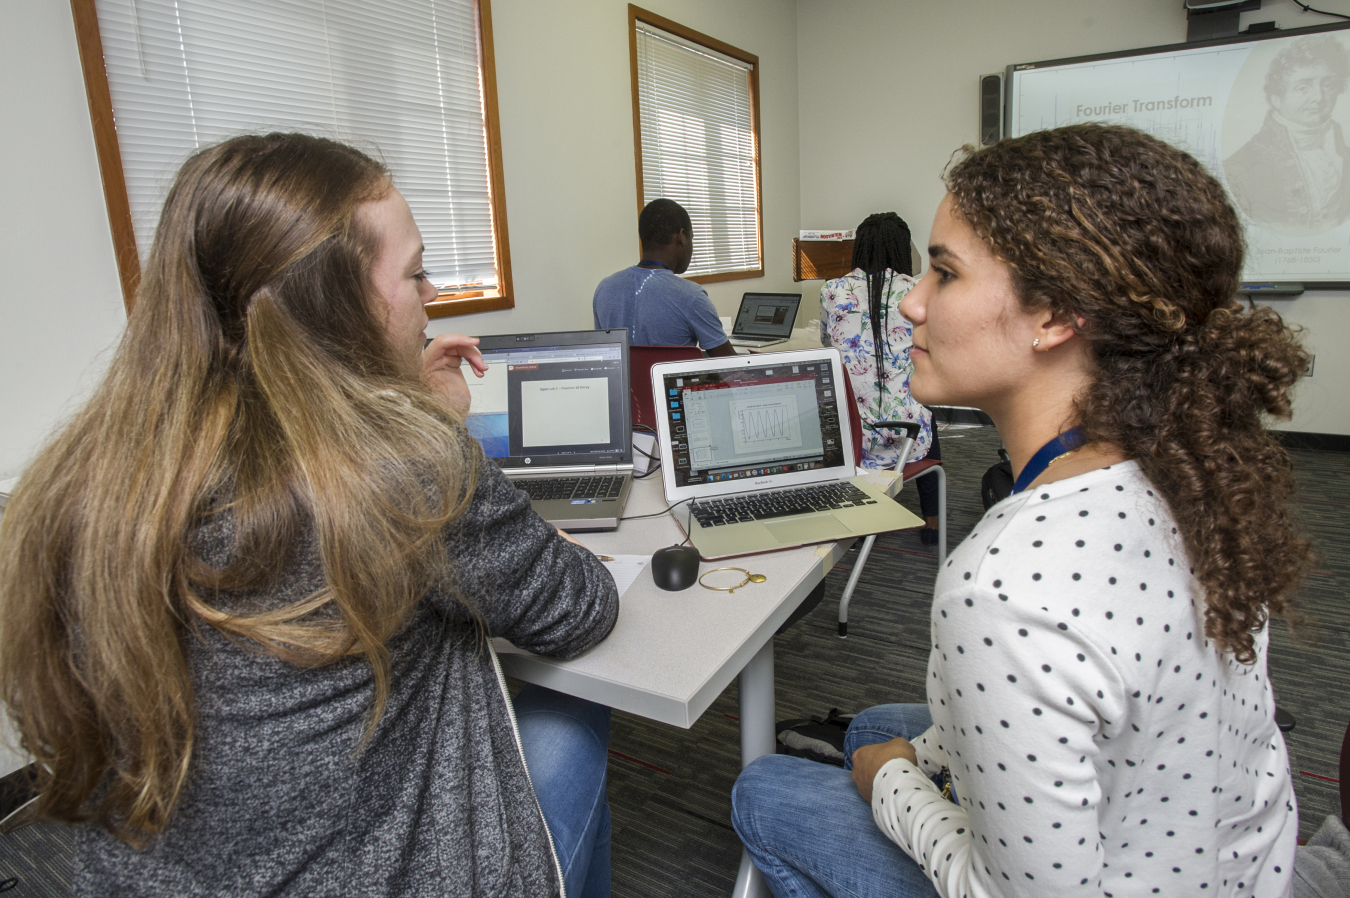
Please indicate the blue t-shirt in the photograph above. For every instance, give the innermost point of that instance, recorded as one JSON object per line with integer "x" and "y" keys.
{"x": 658, "y": 307}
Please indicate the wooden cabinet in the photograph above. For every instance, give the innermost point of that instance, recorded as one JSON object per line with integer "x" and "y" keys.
{"x": 821, "y": 260}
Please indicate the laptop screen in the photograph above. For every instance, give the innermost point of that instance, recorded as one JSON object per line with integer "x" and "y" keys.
{"x": 766, "y": 315}
{"x": 751, "y": 422}
{"x": 552, "y": 401}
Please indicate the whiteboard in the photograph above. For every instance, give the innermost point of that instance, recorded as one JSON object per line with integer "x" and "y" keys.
{"x": 1282, "y": 156}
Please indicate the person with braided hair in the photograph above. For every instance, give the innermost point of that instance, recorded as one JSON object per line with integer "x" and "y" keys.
{"x": 860, "y": 314}
{"x": 1099, "y": 719}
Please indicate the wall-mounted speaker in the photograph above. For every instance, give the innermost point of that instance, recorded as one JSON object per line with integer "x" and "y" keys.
{"x": 991, "y": 109}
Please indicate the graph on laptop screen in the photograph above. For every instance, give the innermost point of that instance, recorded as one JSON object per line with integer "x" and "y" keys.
{"x": 772, "y": 419}
{"x": 548, "y": 401}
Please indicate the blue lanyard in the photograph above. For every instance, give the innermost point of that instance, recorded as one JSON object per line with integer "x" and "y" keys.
{"x": 653, "y": 263}
{"x": 1061, "y": 445}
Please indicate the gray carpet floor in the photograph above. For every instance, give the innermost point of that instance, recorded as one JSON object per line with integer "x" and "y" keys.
{"x": 669, "y": 788}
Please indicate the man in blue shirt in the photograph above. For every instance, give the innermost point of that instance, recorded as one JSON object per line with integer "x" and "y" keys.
{"x": 658, "y": 307}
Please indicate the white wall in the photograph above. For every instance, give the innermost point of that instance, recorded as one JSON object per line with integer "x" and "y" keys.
{"x": 565, "y": 100}
{"x": 60, "y": 301}
{"x": 888, "y": 90}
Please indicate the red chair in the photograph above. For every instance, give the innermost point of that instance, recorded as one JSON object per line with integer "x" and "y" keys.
{"x": 640, "y": 361}
{"x": 909, "y": 471}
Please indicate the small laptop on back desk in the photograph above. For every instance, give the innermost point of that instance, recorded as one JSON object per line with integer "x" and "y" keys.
{"x": 554, "y": 412}
{"x": 758, "y": 454}
{"x": 764, "y": 319}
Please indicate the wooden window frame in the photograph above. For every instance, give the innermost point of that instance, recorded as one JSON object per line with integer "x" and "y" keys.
{"x": 637, "y": 14}
{"x": 90, "y": 44}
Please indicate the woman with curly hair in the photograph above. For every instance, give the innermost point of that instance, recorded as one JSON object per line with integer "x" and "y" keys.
{"x": 1097, "y": 692}
{"x": 246, "y": 594}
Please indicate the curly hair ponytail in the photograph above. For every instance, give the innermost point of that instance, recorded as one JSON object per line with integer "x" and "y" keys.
{"x": 1133, "y": 239}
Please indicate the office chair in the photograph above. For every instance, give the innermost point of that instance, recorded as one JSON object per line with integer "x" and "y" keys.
{"x": 640, "y": 361}
{"x": 909, "y": 471}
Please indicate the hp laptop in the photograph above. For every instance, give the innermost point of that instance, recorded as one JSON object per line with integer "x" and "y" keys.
{"x": 554, "y": 412}
{"x": 765, "y": 319}
{"x": 758, "y": 453}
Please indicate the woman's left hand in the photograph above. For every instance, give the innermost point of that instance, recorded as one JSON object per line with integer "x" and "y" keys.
{"x": 869, "y": 759}
{"x": 441, "y": 361}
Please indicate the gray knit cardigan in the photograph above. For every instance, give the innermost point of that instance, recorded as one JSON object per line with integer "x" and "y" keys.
{"x": 283, "y": 800}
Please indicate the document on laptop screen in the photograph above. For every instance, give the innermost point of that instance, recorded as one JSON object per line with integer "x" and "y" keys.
{"x": 548, "y": 401}
{"x": 568, "y": 411}
{"x": 772, "y": 419}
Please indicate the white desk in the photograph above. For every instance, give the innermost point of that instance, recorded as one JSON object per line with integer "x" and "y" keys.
{"x": 802, "y": 338}
{"x": 672, "y": 653}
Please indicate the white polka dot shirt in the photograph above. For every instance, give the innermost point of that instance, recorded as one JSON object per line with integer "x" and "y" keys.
{"x": 1098, "y": 744}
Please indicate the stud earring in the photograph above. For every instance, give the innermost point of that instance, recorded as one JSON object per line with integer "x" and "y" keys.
{"x": 1036, "y": 342}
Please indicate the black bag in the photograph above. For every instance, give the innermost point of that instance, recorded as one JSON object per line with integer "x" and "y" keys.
{"x": 997, "y": 483}
{"x": 815, "y": 738}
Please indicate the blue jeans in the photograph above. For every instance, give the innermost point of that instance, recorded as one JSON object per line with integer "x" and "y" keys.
{"x": 811, "y": 834}
{"x": 566, "y": 743}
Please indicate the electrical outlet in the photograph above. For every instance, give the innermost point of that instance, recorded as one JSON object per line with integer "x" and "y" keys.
{"x": 1308, "y": 372}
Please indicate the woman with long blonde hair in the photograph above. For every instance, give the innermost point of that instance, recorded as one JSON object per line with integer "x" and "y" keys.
{"x": 1099, "y": 721}
{"x": 246, "y": 593}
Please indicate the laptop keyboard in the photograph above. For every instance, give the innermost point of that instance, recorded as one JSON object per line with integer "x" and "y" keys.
{"x": 602, "y": 486}
{"x": 778, "y": 504}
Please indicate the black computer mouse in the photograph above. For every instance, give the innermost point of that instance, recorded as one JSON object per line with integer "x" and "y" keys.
{"x": 675, "y": 567}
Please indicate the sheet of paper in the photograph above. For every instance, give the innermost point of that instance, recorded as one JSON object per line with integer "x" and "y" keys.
{"x": 882, "y": 480}
{"x": 625, "y": 569}
{"x": 647, "y": 443}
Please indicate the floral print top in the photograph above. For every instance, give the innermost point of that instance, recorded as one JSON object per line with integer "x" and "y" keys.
{"x": 845, "y": 318}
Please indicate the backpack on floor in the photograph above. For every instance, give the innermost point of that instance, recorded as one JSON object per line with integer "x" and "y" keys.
{"x": 815, "y": 738}
{"x": 997, "y": 483}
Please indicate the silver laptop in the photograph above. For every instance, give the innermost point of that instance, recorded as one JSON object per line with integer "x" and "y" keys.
{"x": 757, "y": 451}
{"x": 764, "y": 319}
{"x": 554, "y": 412}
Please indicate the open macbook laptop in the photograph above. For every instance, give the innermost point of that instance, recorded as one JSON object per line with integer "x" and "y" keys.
{"x": 555, "y": 414}
{"x": 758, "y": 451}
{"x": 764, "y": 319}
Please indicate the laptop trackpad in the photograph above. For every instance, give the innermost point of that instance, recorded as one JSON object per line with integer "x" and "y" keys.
{"x": 813, "y": 529}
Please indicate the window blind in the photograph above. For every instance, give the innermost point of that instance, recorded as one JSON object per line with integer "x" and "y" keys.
{"x": 698, "y": 145}
{"x": 398, "y": 79}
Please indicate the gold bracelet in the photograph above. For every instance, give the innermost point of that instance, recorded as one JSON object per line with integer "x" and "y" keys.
{"x": 749, "y": 578}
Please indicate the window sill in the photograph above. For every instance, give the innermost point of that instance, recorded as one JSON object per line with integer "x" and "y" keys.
{"x": 448, "y": 304}
{"x": 727, "y": 276}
